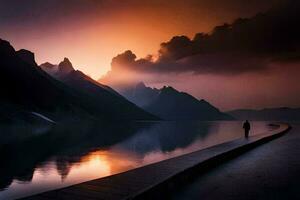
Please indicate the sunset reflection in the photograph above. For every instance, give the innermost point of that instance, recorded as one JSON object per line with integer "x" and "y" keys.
{"x": 97, "y": 164}
{"x": 105, "y": 163}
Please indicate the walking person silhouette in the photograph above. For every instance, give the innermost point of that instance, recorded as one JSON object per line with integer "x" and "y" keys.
{"x": 247, "y": 128}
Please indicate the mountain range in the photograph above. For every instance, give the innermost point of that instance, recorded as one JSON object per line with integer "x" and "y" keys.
{"x": 166, "y": 103}
{"x": 170, "y": 104}
{"x": 58, "y": 92}
{"x": 277, "y": 114}
{"x": 106, "y": 97}
{"x": 24, "y": 84}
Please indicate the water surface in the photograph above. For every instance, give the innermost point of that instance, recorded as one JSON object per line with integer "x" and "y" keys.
{"x": 61, "y": 158}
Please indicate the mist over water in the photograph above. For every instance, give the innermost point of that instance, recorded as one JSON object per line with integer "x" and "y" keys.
{"x": 66, "y": 156}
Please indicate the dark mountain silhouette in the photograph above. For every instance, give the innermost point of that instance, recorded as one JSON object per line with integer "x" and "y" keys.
{"x": 65, "y": 67}
{"x": 284, "y": 114}
{"x": 171, "y": 104}
{"x": 49, "y": 68}
{"x": 110, "y": 100}
{"x": 60, "y": 70}
{"x": 27, "y": 56}
{"x": 26, "y": 85}
{"x": 140, "y": 94}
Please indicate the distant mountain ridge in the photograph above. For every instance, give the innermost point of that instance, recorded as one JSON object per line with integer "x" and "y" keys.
{"x": 170, "y": 104}
{"x": 279, "y": 114}
{"x": 140, "y": 94}
{"x": 60, "y": 70}
{"x": 26, "y": 85}
{"x": 109, "y": 99}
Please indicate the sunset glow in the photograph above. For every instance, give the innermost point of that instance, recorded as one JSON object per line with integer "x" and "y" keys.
{"x": 91, "y": 37}
{"x": 92, "y": 33}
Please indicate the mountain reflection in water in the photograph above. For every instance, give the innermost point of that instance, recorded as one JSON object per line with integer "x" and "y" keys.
{"x": 66, "y": 156}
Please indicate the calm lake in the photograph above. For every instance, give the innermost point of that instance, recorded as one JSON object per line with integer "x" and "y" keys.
{"x": 59, "y": 158}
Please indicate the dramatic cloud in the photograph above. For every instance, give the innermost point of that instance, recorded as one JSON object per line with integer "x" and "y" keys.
{"x": 246, "y": 45}
{"x": 92, "y": 32}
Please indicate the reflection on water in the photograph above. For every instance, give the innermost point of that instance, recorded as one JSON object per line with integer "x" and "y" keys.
{"x": 64, "y": 157}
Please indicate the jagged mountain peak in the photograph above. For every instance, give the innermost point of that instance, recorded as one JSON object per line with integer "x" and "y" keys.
{"x": 47, "y": 65}
{"x": 65, "y": 66}
{"x": 49, "y": 68}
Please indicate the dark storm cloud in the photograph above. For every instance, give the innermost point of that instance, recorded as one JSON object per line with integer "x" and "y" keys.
{"x": 246, "y": 45}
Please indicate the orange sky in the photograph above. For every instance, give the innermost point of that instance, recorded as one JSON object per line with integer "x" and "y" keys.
{"x": 91, "y": 32}
{"x": 92, "y": 36}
